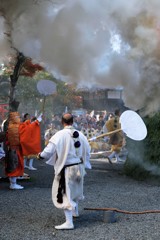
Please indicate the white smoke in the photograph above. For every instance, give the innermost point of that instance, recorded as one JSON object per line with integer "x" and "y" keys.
{"x": 4, "y": 43}
{"x": 90, "y": 42}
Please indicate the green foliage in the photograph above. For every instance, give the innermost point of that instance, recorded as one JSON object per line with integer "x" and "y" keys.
{"x": 144, "y": 154}
{"x": 135, "y": 170}
{"x": 4, "y": 88}
{"x": 26, "y": 88}
{"x": 31, "y": 100}
{"x": 65, "y": 95}
{"x": 152, "y": 141}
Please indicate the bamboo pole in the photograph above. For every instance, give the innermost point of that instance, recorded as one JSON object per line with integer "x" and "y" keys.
{"x": 105, "y": 134}
{"x": 43, "y": 104}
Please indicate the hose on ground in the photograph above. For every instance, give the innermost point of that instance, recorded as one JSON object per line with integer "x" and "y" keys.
{"x": 123, "y": 211}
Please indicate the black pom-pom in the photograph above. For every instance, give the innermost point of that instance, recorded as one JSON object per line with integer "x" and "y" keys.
{"x": 77, "y": 144}
{"x": 76, "y": 134}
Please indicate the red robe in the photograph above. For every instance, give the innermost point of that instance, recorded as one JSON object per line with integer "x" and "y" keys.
{"x": 30, "y": 136}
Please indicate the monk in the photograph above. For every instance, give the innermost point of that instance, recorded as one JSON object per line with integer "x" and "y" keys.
{"x": 69, "y": 152}
{"x": 116, "y": 139}
{"x": 22, "y": 138}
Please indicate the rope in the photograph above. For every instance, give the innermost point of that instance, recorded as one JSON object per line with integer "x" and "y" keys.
{"x": 123, "y": 211}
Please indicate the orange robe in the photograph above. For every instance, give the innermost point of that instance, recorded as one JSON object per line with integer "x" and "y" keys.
{"x": 20, "y": 167}
{"x": 30, "y": 136}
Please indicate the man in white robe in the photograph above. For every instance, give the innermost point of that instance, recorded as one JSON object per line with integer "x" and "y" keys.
{"x": 69, "y": 152}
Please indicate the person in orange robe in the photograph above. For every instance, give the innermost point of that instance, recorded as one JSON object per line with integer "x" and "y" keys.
{"x": 23, "y": 138}
{"x": 30, "y": 134}
{"x": 28, "y": 159}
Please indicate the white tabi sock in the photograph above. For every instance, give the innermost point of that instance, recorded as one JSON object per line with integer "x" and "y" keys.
{"x": 117, "y": 157}
{"x": 25, "y": 163}
{"x": 31, "y": 164}
{"x": 68, "y": 225}
{"x": 14, "y": 185}
{"x": 13, "y": 180}
{"x": 75, "y": 212}
{"x": 112, "y": 155}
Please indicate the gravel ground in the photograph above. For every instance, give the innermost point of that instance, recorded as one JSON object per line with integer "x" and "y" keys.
{"x": 30, "y": 215}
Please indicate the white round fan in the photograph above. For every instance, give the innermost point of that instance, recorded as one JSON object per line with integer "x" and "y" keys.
{"x": 133, "y": 126}
{"x": 46, "y": 87}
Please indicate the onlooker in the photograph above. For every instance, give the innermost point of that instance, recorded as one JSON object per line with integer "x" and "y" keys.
{"x": 49, "y": 133}
{"x": 101, "y": 121}
{"x": 26, "y": 117}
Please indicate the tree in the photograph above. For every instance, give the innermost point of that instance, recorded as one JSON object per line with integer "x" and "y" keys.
{"x": 23, "y": 67}
{"x": 13, "y": 104}
{"x": 143, "y": 157}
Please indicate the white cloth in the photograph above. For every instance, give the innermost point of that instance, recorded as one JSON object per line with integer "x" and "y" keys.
{"x": 61, "y": 151}
{"x": 39, "y": 118}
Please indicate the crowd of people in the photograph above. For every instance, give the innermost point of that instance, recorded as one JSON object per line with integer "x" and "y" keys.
{"x": 91, "y": 125}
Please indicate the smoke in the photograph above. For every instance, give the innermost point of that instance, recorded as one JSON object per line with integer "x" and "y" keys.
{"x": 104, "y": 43}
{"x": 4, "y": 43}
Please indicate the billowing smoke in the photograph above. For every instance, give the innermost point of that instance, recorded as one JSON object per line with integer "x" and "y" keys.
{"x": 91, "y": 42}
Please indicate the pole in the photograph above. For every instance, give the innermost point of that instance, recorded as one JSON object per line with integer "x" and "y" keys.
{"x": 43, "y": 104}
{"x": 105, "y": 134}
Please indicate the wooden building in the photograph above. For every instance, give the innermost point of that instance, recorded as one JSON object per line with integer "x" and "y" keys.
{"x": 106, "y": 99}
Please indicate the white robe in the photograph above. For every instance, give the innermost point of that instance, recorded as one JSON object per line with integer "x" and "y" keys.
{"x": 61, "y": 151}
